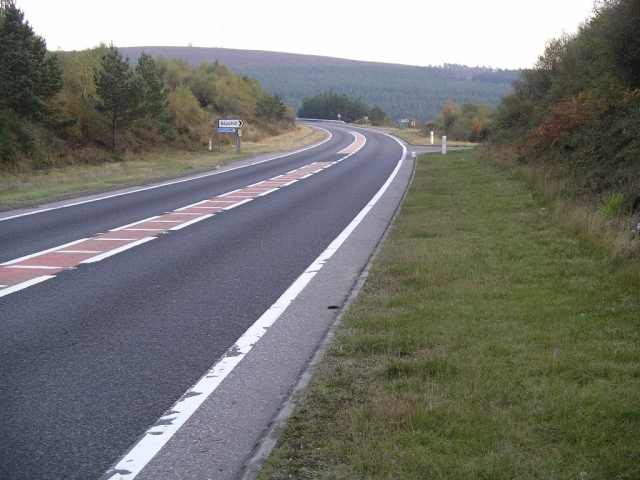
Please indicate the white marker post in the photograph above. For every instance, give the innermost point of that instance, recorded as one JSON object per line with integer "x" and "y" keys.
{"x": 444, "y": 145}
{"x": 431, "y": 137}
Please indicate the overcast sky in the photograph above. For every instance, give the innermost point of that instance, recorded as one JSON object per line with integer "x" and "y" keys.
{"x": 497, "y": 33}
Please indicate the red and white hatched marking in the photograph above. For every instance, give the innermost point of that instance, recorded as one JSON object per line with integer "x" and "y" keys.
{"x": 26, "y": 271}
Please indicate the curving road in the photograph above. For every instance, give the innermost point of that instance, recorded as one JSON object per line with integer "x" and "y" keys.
{"x": 99, "y": 343}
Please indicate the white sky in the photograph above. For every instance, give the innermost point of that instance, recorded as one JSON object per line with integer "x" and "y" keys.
{"x": 496, "y": 33}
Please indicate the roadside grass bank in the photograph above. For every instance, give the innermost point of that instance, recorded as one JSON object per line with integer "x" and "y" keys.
{"x": 47, "y": 184}
{"x": 489, "y": 341}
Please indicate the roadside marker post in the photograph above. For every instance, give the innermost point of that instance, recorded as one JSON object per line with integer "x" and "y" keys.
{"x": 444, "y": 145}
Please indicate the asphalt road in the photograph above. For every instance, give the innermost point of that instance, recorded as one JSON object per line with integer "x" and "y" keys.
{"x": 91, "y": 359}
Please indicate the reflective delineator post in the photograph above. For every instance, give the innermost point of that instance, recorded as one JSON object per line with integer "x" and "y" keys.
{"x": 444, "y": 145}
{"x": 431, "y": 137}
{"x": 209, "y": 144}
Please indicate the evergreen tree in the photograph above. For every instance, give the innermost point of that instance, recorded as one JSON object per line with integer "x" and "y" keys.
{"x": 377, "y": 116}
{"x": 270, "y": 107}
{"x": 28, "y": 76}
{"x": 120, "y": 90}
{"x": 328, "y": 105}
{"x": 156, "y": 97}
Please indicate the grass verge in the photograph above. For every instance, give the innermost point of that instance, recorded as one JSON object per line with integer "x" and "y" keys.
{"x": 489, "y": 341}
{"x": 41, "y": 185}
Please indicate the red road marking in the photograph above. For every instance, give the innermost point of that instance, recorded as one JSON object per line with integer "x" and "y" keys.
{"x": 18, "y": 274}
{"x": 357, "y": 145}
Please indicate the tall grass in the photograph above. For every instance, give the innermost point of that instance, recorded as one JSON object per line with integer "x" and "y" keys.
{"x": 491, "y": 340}
{"x": 603, "y": 223}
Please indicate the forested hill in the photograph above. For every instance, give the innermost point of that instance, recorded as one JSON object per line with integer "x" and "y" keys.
{"x": 400, "y": 90}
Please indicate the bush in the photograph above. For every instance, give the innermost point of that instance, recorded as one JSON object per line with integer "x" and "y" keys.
{"x": 14, "y": 137}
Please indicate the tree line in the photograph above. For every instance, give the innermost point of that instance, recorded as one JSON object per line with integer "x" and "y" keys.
{"x": 330, "y": 105}
{"x": 401, "y": 91}
{"x": 578, "y": 109}
{"x": 74, "y": 106}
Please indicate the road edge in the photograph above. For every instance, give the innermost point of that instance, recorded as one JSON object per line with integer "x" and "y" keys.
{"x": 265, "y": 444}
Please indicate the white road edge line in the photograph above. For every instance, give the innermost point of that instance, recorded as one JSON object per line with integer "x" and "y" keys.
{"x": 152, "y": 441}
{"x": 190, "y": 222}
{"x": 23, "y": 285}
{"x": 37, "y": 254}
{"x": 127, "y": 227}
{"x": 231, "y": 207}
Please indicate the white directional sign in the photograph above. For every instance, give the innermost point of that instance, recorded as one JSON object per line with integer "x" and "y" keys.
{"x": 226, "y": 123}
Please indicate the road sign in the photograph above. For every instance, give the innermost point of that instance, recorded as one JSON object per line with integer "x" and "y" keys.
{"x": 223, "y": 122}
{"x": 226, "y": 130}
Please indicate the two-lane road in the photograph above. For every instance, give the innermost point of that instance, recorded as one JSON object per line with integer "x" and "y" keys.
{"x": 98, "y": 352}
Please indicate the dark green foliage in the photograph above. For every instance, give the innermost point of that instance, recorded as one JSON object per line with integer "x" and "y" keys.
{"x": 28, "y": 76}
{"x": 14, "y": 136}
{"x": 377, "y": 116}
{"x": 401, "y": 91}
{"x": 155, "y": 96}
{"x": 270, "y": 107}
{"x": 621, "y": 38}
{"x": 328, "y": 105}
{"x": 120, "y": 91}
{"x": 579, "y": 107}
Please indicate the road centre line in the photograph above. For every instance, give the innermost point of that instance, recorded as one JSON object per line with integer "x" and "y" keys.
{"x": 294, "y": 175}
{"x": 267, "y": 192}
{"x": 237, "y": 204}
{"x": 115, "y": 251}
{"x": 112, "y": 239}
{"x": 127, "y": 227}
{"x": 79, "y": 251}
{"x": 23, "y": 285}
{"x": 33, "y": 255}
{"x": 36, "y": 267}
{"x": 231, "y": 201}
{"x": 156, "y": 437}
{"x": 190, "y": 222}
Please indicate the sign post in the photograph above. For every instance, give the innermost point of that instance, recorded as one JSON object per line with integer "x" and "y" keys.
{"x": 229, "y": 126}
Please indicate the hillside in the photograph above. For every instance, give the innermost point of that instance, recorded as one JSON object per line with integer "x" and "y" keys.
{"x": 400, "y": 90}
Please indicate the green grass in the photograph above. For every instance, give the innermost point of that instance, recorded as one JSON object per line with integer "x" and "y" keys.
{"x": 41, "y": 185}
{"x": 489, "y": 342}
